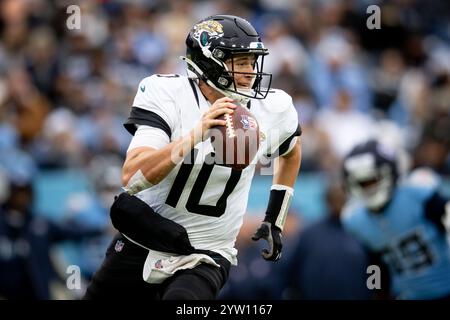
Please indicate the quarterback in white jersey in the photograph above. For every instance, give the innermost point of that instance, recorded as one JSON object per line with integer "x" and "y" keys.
{"x": 170, "y": 164}
{"x": 210, "y": 205}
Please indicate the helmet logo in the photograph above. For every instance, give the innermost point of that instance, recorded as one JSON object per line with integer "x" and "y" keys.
{"x": 204, "y": 38}
{"x": 223, "y": 81}
{"x": 256, "y": 45}
{"x": 206, "y": 31}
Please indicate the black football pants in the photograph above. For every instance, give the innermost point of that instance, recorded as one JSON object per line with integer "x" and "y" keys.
{"x": 120, "y": 277}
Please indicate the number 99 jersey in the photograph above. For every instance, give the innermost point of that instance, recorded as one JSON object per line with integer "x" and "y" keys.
{"x": 409, "y": 237}
{"x": 207, "y": 199}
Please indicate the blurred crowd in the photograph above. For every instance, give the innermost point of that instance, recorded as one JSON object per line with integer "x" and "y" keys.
{"x": 64, "y": 94}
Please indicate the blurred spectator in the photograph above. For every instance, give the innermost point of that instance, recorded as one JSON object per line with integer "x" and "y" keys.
{"x": 92, "y": 209}
{"x": 334, "y": 65}
{"x": 26, "y": 240}
{"x": 287, "y": 53}
{"x": 26, "y": 107}
{"x": 434, "y": 148}
{"x": 58, "y": 146}
{"x": 343, "y": 124}
{"x": 326, "y": 262}
{"x": 42, "y": 62}
{"x": 386, "y": 78}
{"x": 252, "y": 278}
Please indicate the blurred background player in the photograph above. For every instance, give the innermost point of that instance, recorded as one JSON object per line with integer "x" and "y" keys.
{"x": 28, "y": 266}
{"x": 401, "y": 222}
{"x": 327, "y": 262}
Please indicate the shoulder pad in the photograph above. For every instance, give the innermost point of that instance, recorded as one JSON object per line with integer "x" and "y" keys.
{"x": 169, "y": 84}
{"x": 278, "y": 100}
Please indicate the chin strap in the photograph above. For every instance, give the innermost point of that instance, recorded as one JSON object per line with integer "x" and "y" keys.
{"x": 235, "y": 96}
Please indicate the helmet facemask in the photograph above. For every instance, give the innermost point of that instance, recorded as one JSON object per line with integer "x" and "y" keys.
{"x": 369, "y": 182}
{"x": 245, "y": 83}
{"x": 375, "y": 192}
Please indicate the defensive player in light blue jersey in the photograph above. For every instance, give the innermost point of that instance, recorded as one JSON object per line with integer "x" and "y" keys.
{"x": 400, "y": 221}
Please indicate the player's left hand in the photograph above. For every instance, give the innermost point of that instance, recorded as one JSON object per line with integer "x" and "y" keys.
{"x": 272, "y": 235}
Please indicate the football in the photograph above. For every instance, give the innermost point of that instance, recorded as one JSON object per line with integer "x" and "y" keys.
{"x": 236, "y": 143}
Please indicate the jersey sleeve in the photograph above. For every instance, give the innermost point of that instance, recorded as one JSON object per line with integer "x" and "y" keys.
{"x": 287, "y": 126}
{"x": 146, "y": 136}
{"x": 153, "y": 106}
{"x": 436, "y": 207}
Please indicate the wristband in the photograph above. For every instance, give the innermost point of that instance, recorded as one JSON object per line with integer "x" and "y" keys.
{"x": 279, "y": 203}
{"x": 137, "y": 183}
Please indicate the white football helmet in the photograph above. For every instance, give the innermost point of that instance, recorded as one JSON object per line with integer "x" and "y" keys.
{"x": 371, "y": 173}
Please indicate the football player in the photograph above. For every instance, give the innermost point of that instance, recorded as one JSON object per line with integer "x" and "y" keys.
{"x": 181, "y": 211}
{"x": 400, "y": 221}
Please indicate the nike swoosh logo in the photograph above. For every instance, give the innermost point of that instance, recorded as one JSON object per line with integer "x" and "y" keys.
{"x": 142, "y": 88}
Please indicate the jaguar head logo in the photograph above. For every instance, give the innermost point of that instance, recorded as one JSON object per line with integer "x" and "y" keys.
{"x": 206, "y": 31}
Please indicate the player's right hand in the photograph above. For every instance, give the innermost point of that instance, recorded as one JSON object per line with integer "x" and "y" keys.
{"x": 209, "y": 118}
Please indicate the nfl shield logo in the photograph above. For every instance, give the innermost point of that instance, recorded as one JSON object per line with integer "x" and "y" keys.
{"x": 158, "y": 264}
{"x": 119, "y": 246}
{"x": 248, "y": 122}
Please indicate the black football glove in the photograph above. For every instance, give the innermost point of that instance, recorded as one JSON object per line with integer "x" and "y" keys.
{"x": 272, "y": 235}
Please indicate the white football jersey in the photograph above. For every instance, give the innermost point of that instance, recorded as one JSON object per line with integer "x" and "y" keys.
{"x": 208, "y": 200}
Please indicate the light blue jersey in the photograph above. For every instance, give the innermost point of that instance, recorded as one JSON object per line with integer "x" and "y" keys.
{"x": 414, "y": 249}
